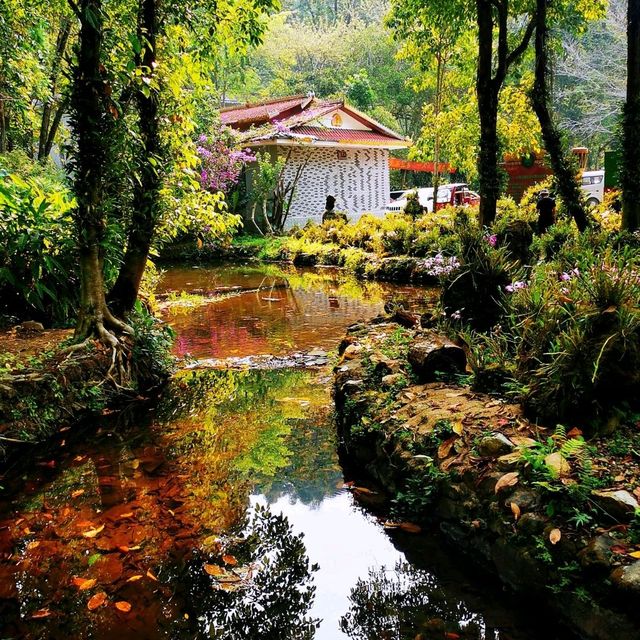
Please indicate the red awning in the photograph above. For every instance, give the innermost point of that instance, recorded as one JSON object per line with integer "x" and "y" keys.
{"x": 429, "y": 167}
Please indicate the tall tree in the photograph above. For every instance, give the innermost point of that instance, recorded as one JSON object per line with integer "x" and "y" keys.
{"x": 631, "y": 124}
{"x": 91, "y": 110}
{"x": 563, "y": 164}
{"x": 146, "y": 190}
{"x": 494, "y": 62}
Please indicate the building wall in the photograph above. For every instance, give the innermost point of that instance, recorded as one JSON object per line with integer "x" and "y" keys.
{"x": 359, "y": 181}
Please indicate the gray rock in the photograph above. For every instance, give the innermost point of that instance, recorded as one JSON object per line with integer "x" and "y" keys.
{"x": 532, "y": 524}
{"x": 526, "y": 499}
{"x": 494, "y": 445}
{"x": 627, "y": 578}
{"x": 618, "y": 504}
{"x": 597, "y": 554}
{"x": 392, "y": 379}
{"x": 435, "y": 353}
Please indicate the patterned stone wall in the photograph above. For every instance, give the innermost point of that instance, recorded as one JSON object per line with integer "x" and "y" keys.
{"x": 359, "y": 181}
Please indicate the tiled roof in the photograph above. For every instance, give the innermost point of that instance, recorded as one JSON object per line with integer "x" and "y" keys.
{"x": 261, "y": 112}
{"x": 352, "y": 136}
{"x": 294, "y": 117}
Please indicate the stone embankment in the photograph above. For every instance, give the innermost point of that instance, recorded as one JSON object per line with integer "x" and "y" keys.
{"x": 537, "y": 506}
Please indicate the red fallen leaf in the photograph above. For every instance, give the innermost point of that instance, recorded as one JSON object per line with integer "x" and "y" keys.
{"x": 214, "y": 570}
{"x": 135, "y": 578}
{"x": 41, "y": 613}
{"x": 618, "y": 548}
{"x": 515, "y": 509}
{"x": 96, "y": 601}
{"x": 507, "y": 480}
{"x": 445, "y": 447}
{"x": 449, "y": 635}
{"x": 84, "y": 583}
{"x": 574, "y": 433}
{"x": 123, "y": 605}
{"x": 229, "y": 560}
{"x": 92, "y": 533}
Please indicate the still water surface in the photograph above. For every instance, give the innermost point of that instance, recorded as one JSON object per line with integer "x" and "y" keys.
{"x": 222, "y": 511}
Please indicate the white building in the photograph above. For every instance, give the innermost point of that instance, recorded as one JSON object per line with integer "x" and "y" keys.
{"x": 344, "y": 152}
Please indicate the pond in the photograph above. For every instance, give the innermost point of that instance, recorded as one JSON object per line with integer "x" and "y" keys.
{"x": 222, "y": 510}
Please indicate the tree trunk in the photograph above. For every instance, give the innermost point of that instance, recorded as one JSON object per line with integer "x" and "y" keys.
{"x": 89, "y": 125}
{"x": 146, "y": 195}
{"x": 631, "y": 124}
{"x": 48, "y": 107}
{"x": 562, "y": 164}
{"x": 487, "y": 92}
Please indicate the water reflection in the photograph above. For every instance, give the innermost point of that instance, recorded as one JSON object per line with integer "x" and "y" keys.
{"x": 275, "y": 602}
{"x": 273, "y": 309}
{"x": 404, "y": 603}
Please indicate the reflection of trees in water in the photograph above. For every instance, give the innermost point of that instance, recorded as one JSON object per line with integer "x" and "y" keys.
{"x": 275, "y": 604}
{"x": 313, "y": 471}
{"x": 406, "y": 603}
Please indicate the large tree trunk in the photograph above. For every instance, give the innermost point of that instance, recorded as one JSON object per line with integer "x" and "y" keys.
{"x": 488, "y": 173}
{"x": 631, "y": 124}
{"x": 89, "y": 120}
{"x": 47, "y": 128}
{"x": 146, "y": 207}
{"x": 562, "y": 164}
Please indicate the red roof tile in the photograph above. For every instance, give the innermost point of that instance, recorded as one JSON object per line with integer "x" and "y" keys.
{"x": 353, "y": 136}
{"x": 262, "y": 112}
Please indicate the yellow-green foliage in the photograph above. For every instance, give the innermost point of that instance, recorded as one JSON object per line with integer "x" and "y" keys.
{"x": 395, "y": 234}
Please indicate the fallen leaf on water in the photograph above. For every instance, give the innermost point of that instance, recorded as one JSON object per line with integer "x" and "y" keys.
{"x": 41, "y": 613}
{"x": 515, "y": 509}
{"x": 364, "y": 490}
{"x": 135, "y": 578}
{"x": 230, "y": 560}
{"x": 214, "y": 569}
{"x": 507, "y": 480}
{"x": 92, "y": 533}
{"x": 123, "y": 605}
{"x": 96, "y": 601}
{"x": 84, "y": 583}
{"x": 555, "y": 536}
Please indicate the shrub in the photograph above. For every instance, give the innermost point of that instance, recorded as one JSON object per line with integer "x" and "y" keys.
{"x": 475, "y": 292}
{"x": 37, "y": 256}
{"x": 577, "y": 334}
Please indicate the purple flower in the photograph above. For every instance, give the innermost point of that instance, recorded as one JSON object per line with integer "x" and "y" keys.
{"x": 515, "y": 286}
{"x": 492, "y": 240}
{"x": 565, "y": 276}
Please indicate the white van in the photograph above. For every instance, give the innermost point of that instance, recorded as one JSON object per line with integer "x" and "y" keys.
{"x": 593, "y": 186}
